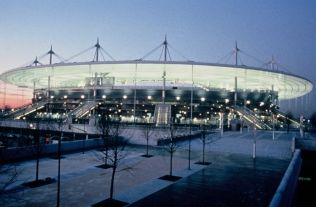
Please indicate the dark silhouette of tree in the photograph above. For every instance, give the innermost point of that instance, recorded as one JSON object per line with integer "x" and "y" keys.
{"x": 148, "y": 131}
{"x": 204, "y": 140}
{"x": 116, "y": 146}
{"x": 9, "y": 175}
{"x": 289, "y": 117}
{"x": 36, "y": 149}
{"x": 104, "y": 126}
{"x": 172, "y": 145}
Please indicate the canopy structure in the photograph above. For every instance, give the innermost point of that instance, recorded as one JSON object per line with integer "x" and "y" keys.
{"x": 131, "y": 73}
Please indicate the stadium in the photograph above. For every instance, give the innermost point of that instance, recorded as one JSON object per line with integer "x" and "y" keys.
{"x": 157, "y": 92}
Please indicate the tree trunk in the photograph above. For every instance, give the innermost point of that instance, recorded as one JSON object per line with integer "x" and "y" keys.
{"x": 113, "y": 175}
{"x": 147, "y": 146}
{"x": 37, "y": 166}
{"x": 37, "y": 156}
{"x": 203, "y": 150}
{"x": 106, "y": 148}
{"x": 171, "y": 155}
{"x": 58, "y": 180}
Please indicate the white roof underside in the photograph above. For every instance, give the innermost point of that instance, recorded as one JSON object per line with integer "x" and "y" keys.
{"x": 210, "y": 76}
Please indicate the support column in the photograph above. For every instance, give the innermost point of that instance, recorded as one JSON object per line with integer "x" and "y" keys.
{"x": 94, "y": 86}
{"x": 221, "y": 114}
{"x": 302, "y": 126}
{"x": 273, "y": 129}
{"x": 191, "y": 114}
{"x": 135, "y": 77}
{"x": 254, "y": 142}
{"x": 48, "y": 95}
{"x": 164, "y": 85}
{"x": 235, "y": 94}
{"x": 33, "y": 91}
{"x": 241, "y": 124}
{"x": 273, "y": 118}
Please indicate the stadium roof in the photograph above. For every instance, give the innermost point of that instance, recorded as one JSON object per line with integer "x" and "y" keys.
{"x": 206, "y": 75}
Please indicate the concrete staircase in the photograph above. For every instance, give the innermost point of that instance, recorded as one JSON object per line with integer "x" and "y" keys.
{"x": 251, "y": 117}
{"x": 162, "y": 114}
{"x": 83, "y": 109}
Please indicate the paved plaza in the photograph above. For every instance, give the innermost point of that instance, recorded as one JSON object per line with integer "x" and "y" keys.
{"x": 137, "y": 183}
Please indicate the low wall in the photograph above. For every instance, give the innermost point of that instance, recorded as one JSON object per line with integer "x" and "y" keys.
{"x": 23, "y": 153}
{"x": 179, "y": 138}
{"x": 286, "y": 190}
{"x": 305, "y": 144}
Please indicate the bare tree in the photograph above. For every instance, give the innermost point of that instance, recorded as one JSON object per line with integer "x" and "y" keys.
{"x": 104, "y": 125}
{"x": 148, "y": 131}
{"x": 36, "y": 149}
{"x": 205, "y": 140}
{"x": 288, "y": 118}
{"x": 8, "y": 176}
{"x": 38, "y": 146}
{"x": 171, "y": 147}
{"x": 116, "y": 145}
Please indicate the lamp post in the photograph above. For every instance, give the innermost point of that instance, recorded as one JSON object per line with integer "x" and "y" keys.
{"x": 254, "y": 142}
{"x": 59, "y": 157}
{"x": 273, "y": 123}
{"x": 191, "y": 113}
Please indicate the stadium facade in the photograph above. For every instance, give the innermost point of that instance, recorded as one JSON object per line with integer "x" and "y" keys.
{"x": 160, "y": 92}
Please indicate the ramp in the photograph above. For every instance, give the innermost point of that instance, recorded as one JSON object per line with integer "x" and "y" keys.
{"x": 26, "y": 110}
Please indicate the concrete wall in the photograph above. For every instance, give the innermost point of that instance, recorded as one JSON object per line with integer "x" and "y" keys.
{"x": 21, "y": 153}
{"x": 286, "y": 190}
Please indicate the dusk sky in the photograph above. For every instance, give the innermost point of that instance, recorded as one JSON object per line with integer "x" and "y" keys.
{"x": 201, "y": 30}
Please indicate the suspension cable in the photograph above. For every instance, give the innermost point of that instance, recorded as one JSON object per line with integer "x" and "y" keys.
{"x": 229, "y": 55}
{"x": 178, "y": 52}
{"x": 80, "y": 53}
{"x": 108, "y": 54}
{"x": 150, "y": 52}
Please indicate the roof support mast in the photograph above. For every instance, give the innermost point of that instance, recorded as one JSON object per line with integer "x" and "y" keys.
{"x": 51, "y": 53}
{"x": 36, "y": 62}
{"x": 97, "y": 46}
{"x": 236, "y": 63}
{"x": 236, "y": 53}
{"x": 165, "y": 45}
